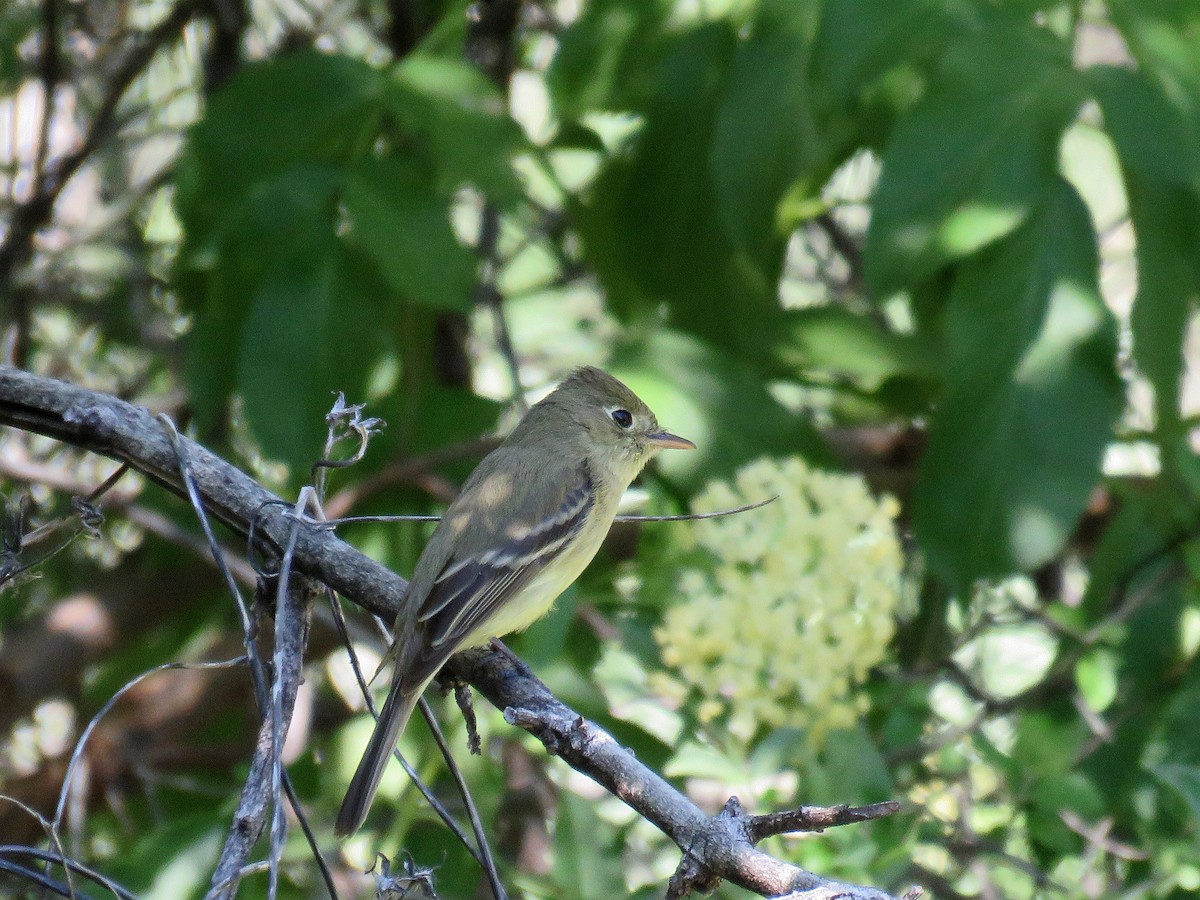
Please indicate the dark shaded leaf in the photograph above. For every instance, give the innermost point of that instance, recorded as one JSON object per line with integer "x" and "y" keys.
{"x": 403, "y": 225}
{"x": 301, "y": 109}
{"x": 602, "y": 58}
{"x": 463, "y": 122}
{"x": 767, "y": 136}
{"x": 651, "y": 224}
{"x": 1157, "y": 136}
{"x": 1031, "y": 396}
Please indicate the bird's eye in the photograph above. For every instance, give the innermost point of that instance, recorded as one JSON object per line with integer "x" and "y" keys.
{"x": 622, "y": 417}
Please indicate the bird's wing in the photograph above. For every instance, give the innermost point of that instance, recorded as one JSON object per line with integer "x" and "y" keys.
{"x": 536, "y": 517}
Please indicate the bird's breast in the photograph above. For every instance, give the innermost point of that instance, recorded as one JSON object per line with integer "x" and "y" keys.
{"x": 536, "y": 599}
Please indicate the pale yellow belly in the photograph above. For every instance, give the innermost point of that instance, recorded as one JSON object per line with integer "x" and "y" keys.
{"x": 521, "y": 611}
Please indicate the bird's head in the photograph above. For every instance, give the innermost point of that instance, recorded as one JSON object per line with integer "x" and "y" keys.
{"x": 611, "y": 421}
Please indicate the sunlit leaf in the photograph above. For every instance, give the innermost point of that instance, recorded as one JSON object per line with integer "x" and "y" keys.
{"x": 972, "y": 160}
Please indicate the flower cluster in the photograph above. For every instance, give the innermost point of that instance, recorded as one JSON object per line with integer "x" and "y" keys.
{"x": 792, "y": 603}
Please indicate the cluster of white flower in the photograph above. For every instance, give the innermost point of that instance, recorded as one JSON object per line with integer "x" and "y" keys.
{"x": 798, "y": 603}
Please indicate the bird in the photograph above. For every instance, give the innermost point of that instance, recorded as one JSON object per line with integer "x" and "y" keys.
{"x": 525, "y": 525}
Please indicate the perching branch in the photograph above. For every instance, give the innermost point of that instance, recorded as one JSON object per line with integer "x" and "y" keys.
{"x": 714, "y": 847}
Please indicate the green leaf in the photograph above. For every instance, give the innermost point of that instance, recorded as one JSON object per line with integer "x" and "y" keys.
{"x": 651, "y": 223}
{"x": 1096, "y": 678}
{"x": 968, "y": 164}
{"x": 1054, "y": 795}
{"x": 307, "y": 336}
{"x": 300, "y": 109}
{"x": 587, "y": 858}
{"x": 837, "y": 342}
{"x": 1157, "y": 136}
{"x": 1177, "y": 736}
{"x": 218, "y": 279}
{"x": 396, "y": 217}
{"x": 1164, "y": 37}
{"x": 1047, "y": 744}
{"x": 859, "y": 41}
{"x": 463, "y": 121}
{"x": 716, "y": 401}
{"x": 170, "y": 859}
{"x": 1156, "y": 133}
{"x": 1031, "y": 396}
{"x": 602, "y": 57}
{"x": 1184, "y": 780}
{"x": 766, "y": 135}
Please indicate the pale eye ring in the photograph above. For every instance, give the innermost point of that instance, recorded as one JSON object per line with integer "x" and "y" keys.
{"x": 622, "y": 417}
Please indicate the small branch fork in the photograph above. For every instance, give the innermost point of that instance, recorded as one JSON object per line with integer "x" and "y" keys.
{"x": 714, "y": 847}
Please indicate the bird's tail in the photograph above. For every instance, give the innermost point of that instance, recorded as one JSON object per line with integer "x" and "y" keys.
{"x": 395, "y": 715}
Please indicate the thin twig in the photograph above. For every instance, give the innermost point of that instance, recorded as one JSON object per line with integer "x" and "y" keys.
{"x": 47, "y": 826}
{"x": 32, "y": 214}
{"x": 69, "y": 864}
{"x": 485, "y": 850}
{"x": 77, "y": 754}
{"x": 42, "y": 880}
{"x": 683, "y": 517}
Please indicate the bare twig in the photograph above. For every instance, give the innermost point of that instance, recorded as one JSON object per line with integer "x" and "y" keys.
{"x": 485, "y": 850}
{"x": 682, "y": 517}
{"x": 34, "y": 212}
{"x": 846, "y": 246}
{"x": 77, "y": 754}
{"x": 71, "y": 865}
{"x": 815, "y": 818}
{"x": 50, "y": 828}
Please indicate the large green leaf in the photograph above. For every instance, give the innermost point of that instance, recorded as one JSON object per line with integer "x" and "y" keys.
{"x": 1164, "y": 37}
{"x": 1030, "y": 400}
{"x": 254, "y": 244}
{"x": 860, "y": 41}
{"x": 308, "y": 335}
{"x": 403, "y": 224}
{"x": 766, "y": 135}
{"x": 602, "y": 57}
{"x": 1157, "y": 136}
{"x": 968, "y": 164}
{"x": 651, "y": 223}
{"x": 300, "y": 109}
{"x": 467, "y": 133}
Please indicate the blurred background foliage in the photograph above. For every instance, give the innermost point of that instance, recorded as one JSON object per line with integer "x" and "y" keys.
{"x": 933, "y": 264}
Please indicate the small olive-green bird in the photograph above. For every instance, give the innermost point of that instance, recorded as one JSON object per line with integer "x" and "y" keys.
{"x": 528, "y": 521}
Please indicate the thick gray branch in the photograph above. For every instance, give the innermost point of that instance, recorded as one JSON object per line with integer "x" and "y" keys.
{"x": 720, "y": 844}
{"x": 132, "y": 434}
{"x": 714, "y": 847}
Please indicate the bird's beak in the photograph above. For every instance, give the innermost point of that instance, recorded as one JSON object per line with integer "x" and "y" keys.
{"x": 667, "y": 441}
